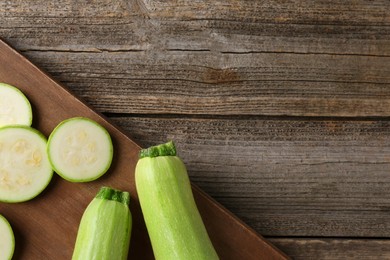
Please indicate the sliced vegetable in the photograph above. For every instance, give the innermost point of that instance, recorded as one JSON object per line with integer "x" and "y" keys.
{"x": 15, "y": 109}
{"x": 25, "y": 170}
{"x": 175, "y": 227}
{"x": 105, "y": 227}
{"x": 80, "y": 149}
{"x": 7, "y": 240}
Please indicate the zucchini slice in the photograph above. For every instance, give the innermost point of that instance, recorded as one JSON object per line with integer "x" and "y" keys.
{"x": 15, "y": 109}
{"x": 25, "y": 170}
{"x": 80, "y": 150}
{"x": 7, "y": 240}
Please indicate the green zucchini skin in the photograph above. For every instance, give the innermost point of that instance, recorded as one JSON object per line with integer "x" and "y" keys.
{"x": 105, "y": 227}
{"x": 174, "y": 225}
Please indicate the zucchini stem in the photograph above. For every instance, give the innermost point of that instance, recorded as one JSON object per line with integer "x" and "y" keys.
{"x": 167, "y": 149}
{"x": 107, "y": 193}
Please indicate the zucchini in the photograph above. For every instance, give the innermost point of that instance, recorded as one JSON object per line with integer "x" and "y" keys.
{"x": 174, "y": 224}
{"x": 7, "y": 240}
{"x": 105, "y": 227}
{"x": 15, "y": 109}
{"x": 25, "y": 170}
{"x": 80, "y": 150}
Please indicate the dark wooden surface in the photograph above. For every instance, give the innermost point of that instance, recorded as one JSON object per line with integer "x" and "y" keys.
{"x": 280, "y": 109}
{"x": 46, "y": 226}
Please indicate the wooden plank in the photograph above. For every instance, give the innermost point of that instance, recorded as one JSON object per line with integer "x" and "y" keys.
{"x": 306, "y": 11}
{"x": 267, "y": 58}
{"x": 356, "y": 27}
{"x": 285, "y": 177}
{"x": 333, "y": 249}
{"x": 225, "y": 84}
{"x": 46, "y": 226}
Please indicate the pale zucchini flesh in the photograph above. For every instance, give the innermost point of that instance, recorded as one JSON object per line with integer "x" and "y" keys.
{"x": 80, "y": 150}
{"x": 174, "y": 224}
{"x": 7, "y": 239}
{"x": 105, "y": 227}
{"x": 15, "y": 108}
{"x": 25, "y": 170}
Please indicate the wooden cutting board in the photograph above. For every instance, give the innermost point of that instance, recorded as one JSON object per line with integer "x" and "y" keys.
{"x": 46, "y": 227}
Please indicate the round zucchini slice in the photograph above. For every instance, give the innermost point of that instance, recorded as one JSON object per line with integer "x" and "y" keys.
{"x": 15, "y": 109}
{"x": 7, "y": 239}
{"x": 25, "y": 170}
{"x": 80, "y": 150}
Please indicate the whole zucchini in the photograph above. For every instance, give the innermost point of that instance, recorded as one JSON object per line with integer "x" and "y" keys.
{"x": 105, "y": 227}
{"x": 175, "y": 227}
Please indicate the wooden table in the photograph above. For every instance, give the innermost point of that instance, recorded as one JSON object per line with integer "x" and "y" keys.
{"x": 280, "y": 109}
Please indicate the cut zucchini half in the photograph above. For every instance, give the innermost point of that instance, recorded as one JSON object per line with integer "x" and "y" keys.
{"x": 7, "y": 239}
{"x": 80, "y": 150}
{"x": 15, "y": 109}
{"x": 25, "y": 170}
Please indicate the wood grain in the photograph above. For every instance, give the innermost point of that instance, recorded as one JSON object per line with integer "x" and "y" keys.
{"x": 235, "y": 57}
{"x": 333, "y": 249}
{"x": 227, "y": 84}
{"x": 290, "y": 177}
{"x": 280, "y": 108}
{"x": 350, "y": 27}
{"x": 58, "y": 210}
